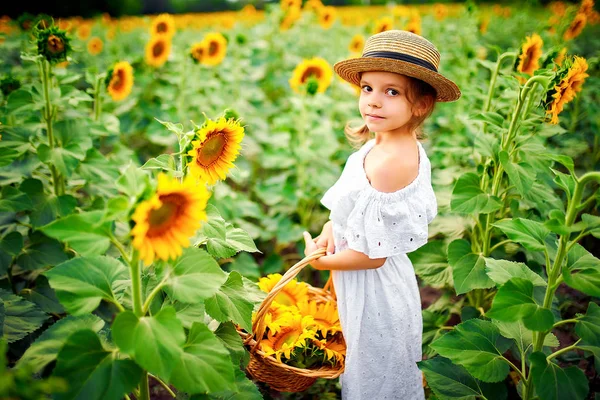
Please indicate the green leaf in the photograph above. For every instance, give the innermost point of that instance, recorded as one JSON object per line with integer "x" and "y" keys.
{"x": 43, "y": 296}
{"x": 195, "y": 277}
{"x": 20, "y": 101}
{"x": 175, "y": 128}
{"x": 430, "y": 265}
{"x": 46, "y": 208}
{"x": 457, "y": 249}
{"x": 246, "y": 265}
{"x": 232, "y": 341}
{"x": 531, "y": 234}
{"x": 564, "y": 181}
{"x": 41, "y": 252}
{"x": 81, "y": 283}
{"x": 468, "y": 198}
{"x": 240, "y": 239}
{"x": 592, "y": 224}
{"x": 562, "y": 159}
{"x": 13, "y": 200}
{"x": 552, "y": 382}
{"x": 45, "y": 349}
{"x": 522, "y": 175}
{"x": 231, "y": 303}
{"x": 155, "y": 342}
{"x": 501, "y": 271}
{"x": 490, "y": 117}
{"x": 582, "y": 271}
{"x": 133, "y": 182}
{"x": 476, "y": 345}
{"x": 204, "y": 366}
{"x": 450, "y": 381}
{"x": 97, "y": 169}
{"x": 164, "y": 162}
{"x": 94, "y": 373}
{"x": 21, "y": 317}
{"x": 522, "y": 336}
{"x": 468, "y": 271}
{"x": 588, "y": 327}
{"x": 87, "y": 233}
{"x": 12, "y": 243}
{"x": 515, "y": 300}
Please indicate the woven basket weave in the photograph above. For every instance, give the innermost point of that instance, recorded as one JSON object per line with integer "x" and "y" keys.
{"x": 264, "y": 368}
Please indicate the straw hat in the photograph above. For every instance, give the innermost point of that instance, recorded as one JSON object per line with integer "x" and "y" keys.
{"x": 404, "y": 53}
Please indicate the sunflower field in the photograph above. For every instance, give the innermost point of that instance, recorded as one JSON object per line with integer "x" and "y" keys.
{"x": 157, "y": 173}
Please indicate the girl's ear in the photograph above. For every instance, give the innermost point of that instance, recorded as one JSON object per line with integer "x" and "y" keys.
{"x": 423, "y": 104}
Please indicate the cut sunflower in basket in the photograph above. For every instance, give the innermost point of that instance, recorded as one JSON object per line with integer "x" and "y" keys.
{"x": 301, "y": 331}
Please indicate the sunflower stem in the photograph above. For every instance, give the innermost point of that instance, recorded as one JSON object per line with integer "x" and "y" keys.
{"x": 136, "y": 285}
{"x": 98, "y": 98}
{"x": 48, "y": 114}
{"x": 144, "y": 389}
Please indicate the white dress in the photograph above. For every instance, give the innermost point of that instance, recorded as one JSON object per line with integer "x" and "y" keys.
{"x": 380, "y": 309}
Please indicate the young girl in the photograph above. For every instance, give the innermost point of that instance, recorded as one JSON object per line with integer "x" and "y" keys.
{"x": 380, "y": 209}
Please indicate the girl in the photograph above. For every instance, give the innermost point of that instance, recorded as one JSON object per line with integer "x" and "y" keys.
{"x": 380, "y": 209}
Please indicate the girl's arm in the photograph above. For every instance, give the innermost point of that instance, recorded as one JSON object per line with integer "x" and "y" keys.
{"x": 344, "y": 260}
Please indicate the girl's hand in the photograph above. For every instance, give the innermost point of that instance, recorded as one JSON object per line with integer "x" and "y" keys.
{"x": 325, "y": 239}
{"x": 311, "y": 246}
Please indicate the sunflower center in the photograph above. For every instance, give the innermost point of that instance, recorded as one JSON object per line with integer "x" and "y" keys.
{"x": 118, "y": 79}
{"x": 158, "y": 49}
{"x": 55, "y": 44}
{"x": 287, "y": 336}
{"x": 310, "y": 71}
{"x": 211, "y": 149}
{"x": 198, "y": 52}
{"x": 163, "y": 218}
{"x": 213, "y": 47}
{"x": 161, "y": 27}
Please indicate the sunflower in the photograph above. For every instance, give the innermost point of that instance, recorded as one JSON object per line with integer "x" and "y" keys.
{"x": 216, "y": 149}
{"x": 586, "y": 7}
{"x": 293, "y": 333}
{"x": 216, "y": 48}
{"x": 120, "y": 81}
{"x": 531, "y": 51}
{"x": 334, "y": 348}
{"x": 325, "y": 315}
{"x": 558, "y": 60}
{"x": 84, "y": 31}
{"x": 383, "y": 24}
{"x": 414, "y": 24}
{"x": 357, "y": 43}
{"x": 95, "y": 45}
{"x": 198, "y": 52}
{"x": 558, "y": 8}
{"x": 440, "y": 11}
{"x": 484, "y": 23}
{"x": 576, "y": 27}
{"x": 568, "y": 82}
{"x": 163, "y": 25}
{"x": 53, "y": 44}
{"x": 291, "y": 16}
{"x": 313, "y": 5}
{"x": 292, "y": 293}
{"x": 165, "y": 223}
{"x": 276, "y": 316}
{"x": 315, "y": 67}
{"x": 158, "y": 49}
{"x": 327, "y": 16}
{"x": 287, "y": 4}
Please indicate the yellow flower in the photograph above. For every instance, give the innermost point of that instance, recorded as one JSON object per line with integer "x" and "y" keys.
{"x": 276, "y": 316}
{"x": 163, "y": 24}
{"x": 560, "y": 57}
{"x": 357, "y": 43}
{"x": 325, "y": 315}
{"x": 414, "y": 24}
{"x": 571, "y": 77}
{"x": 84, "y": 31}
{"x": 531, "y": 51}
{"x": 576, "y": 27}
{"x": 292, "y": 293}
{"x": 120, "y": 81}
{"x": 313, "y": 5}
{"x": 291, "y": 16}
{"x": 327, "y": 16}
{"x": 293, "y": 334}
{"x": 558, "y": 8}
{"x": 383, "y": 24}
{"x": 440, "y": 11}
{"x": 334, "y": 348}
{"x": 216, "y": 48}
{"x": 158, "y": 49}
{"x": 198, "y": 51}
{"x": 286, "y": 4}
{"x": 484, "y": 23}
{"x": 165, "y": 223}
{"x": 586, "y": 7}
{"x": 315, "y": 67}
{"x": 95, "y": 45}
{"x": 216, "y": 149}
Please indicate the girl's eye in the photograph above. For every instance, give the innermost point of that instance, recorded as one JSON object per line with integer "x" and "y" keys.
{"x": 393, "y": 92}
{"x": 366, "y": 88}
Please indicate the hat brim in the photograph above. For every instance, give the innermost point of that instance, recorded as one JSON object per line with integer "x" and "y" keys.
{"x": 350, "y": 70}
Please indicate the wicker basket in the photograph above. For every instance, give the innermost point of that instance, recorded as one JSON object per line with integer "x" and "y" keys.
{"x": 264, "y": 368}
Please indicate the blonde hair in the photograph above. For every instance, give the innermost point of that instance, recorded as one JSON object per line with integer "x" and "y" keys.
{"x": 417, "y": 89}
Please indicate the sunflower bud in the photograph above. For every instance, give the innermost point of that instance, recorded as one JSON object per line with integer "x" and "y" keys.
{"x": 53, "y": 44}
{"x": 8, "y": 84}
{"x": 312, "y": 86}
{"x": 564, "y": 87}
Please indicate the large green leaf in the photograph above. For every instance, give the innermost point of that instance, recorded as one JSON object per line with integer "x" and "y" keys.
{"x": 155, "y": 342}
{"x": 45, "y": 349}
{"x": 43, "y": 296}
{"x": 204, "y": 365}
{"x": 468, "y": 270}
{"x": 12, "y": 243}
{"x": 75, "y": 142}
{"x": 21, "y": 317}
{"x": 515, "y": 300}
{"x": 501, "y": 271}
{"x": 41, "y": 252}
{"x": 523, "y": 337}
{"x": 13, "y": 200}
{"x": 231, "y": 303}
{"x": 431, "y": 265}
{"x": 94, "y": 373}
{"x": 450, "y": 381}
{"x": 588, "y": 327}
{"x": 232, "y": 341}
{"x": 468, "y": 198}
{"x": 87, "y": 233}
{"x": 582, "y": 271}
{"x": 82, "y": 282}
{"x": 521, "y": 175}
{"x": 245, "y": 390}
{"x": 553, "y": 382}
{"x": 46, "y": 207}
{"x": 531, "y": 234}
{"x": 478, "y": 346}
{"x": 194, "y": 277}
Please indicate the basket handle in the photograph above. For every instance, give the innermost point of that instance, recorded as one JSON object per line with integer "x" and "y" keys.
{"x": 258, "y": 327}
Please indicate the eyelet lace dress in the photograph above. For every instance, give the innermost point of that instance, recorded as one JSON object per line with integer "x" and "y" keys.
{"x": 380, "y": 309}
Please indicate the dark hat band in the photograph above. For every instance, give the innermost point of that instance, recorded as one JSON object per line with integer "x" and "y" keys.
{"x": 401, "y": 57}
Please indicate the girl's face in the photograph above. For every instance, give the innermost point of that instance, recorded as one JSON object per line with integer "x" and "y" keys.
{"x": 383, "y": 103}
